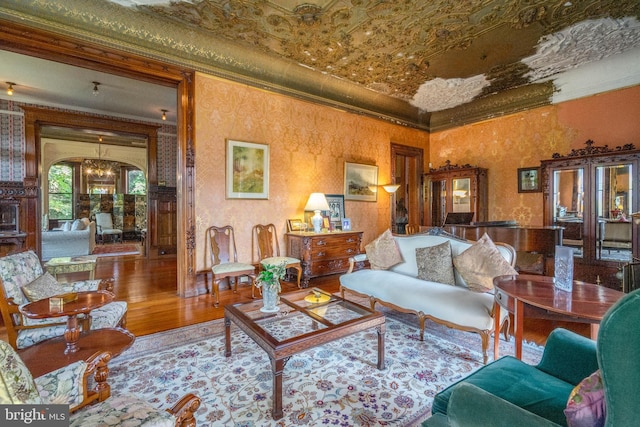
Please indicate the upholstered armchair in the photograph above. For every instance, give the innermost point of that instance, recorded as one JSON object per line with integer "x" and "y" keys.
{"x": 22, "y": 271}
{"x": 509, "y": 392}
{"x": 104, "y": 227}
{"x": 70, "y": 385}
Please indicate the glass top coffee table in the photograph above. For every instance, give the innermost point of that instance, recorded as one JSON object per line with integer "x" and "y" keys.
{"x": 302, "y": 322}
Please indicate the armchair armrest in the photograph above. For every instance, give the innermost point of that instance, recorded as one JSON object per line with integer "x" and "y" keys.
{"x": 93, "y": 285}
{"x": 470, "y": 406}
{"x": 70, "y": 384}
{"x": 185, "y": 408}
{"x": 355, "y": 259}
{"x": 569, "y": 356}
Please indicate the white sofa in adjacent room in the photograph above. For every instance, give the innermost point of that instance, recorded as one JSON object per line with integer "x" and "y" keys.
{"x": 78, "y": 238}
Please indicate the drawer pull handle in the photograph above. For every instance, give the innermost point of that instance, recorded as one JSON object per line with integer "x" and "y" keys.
{"x": 321, "y": 254}
{"x": 350, "y": 240}
{"x": 321, "y": 243}
{"x": 350, "y": 251}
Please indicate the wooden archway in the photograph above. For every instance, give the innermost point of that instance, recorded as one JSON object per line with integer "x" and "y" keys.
{"x": 55, "y": 47}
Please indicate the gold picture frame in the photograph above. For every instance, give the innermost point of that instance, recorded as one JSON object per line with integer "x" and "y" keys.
{"x": 247, "y": 170}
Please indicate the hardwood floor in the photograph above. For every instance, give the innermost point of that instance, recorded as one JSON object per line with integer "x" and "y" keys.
{"x": 149, "y": 287}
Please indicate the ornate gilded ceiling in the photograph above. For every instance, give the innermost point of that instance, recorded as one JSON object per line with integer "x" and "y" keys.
{"x": 467, "y": 60}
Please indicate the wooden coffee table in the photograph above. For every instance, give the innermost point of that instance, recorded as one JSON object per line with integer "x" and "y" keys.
{"x": 534, "y": 296}
{"x": 315, "y": 324}
{"x": 83, "y": 303}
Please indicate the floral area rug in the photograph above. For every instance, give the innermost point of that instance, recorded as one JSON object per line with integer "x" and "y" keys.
{"x": 333, "y": 384}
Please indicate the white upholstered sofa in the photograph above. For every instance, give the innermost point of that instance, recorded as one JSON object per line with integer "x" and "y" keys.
{"x": 399, "y": 288}
{"x": 74, "y": 241}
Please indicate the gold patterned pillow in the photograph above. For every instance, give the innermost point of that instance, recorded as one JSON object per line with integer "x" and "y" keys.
{"x": 383, "y": 252}
{"x": 480, "y": 263}
{"x": 435, "y": 264}
{"x": 43, "y": 287}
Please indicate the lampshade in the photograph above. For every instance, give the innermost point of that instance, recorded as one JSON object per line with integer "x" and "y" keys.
{"x": 317, "y": 202}
{"x": 391, "y": 188}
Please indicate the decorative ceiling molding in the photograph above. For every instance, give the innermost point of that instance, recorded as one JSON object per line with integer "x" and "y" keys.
{"x": 397, "y": 61}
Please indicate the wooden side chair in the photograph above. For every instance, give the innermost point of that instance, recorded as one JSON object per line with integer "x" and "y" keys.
{"x": 412, "y": 228}
{"x": 224, "y": 261}
{"x": 266, "y": 242}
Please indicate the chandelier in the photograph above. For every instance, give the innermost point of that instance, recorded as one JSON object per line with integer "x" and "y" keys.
{"x": 100, "y": 167}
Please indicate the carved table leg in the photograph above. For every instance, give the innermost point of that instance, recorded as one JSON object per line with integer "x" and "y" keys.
{"x": 277, "y": 366}
{"x": 227, "y": 337}
{"x": 381, "y": 331}
{"x": 72, "y": 334}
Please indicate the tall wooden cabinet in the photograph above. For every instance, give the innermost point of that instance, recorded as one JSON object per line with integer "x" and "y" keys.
{"x": 454, "y": 188}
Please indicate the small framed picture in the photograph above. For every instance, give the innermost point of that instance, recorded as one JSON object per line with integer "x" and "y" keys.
{"x": 294, "y": 225}
{"x": 529, "y": 180}
{"x": 247, "y": 174}
{"x": 346, "y": 224}
{"x": 336, "y": 212}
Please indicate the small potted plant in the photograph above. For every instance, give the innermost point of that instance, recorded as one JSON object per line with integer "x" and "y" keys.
{"x": 268, "y": 281}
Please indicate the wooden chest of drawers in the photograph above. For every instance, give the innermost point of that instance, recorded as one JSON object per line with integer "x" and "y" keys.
{"x": 323, "y": 254}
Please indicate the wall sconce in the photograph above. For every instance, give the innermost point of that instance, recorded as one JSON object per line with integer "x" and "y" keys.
{"x": 317, "y": 202}
{"x": 164, "y": 114}
{"x": 391, "y": 188}
{"x": 96, "y": 91}
{"x": 10, "y": 88}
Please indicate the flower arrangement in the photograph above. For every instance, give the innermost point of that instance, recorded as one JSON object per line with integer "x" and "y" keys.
{"x": 270, "y": 276}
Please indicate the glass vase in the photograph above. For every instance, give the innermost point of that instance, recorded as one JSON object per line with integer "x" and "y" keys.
{"x": 270, "y": 299}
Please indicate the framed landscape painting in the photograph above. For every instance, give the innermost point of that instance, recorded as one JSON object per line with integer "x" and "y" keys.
{"x": 247, "y": 170}
{"x": 359, "y": 179}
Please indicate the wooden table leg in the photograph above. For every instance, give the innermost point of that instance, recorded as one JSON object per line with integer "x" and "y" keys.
{"x": 277, "y": 366}
{"x": 595, "y": 327}
{"x": 71, "y": 335}
{"x": 227, "y": 337}
{"x": 381, "y": 332}
{"x": 519, "y": 326}
{"x": 496, "y": 331}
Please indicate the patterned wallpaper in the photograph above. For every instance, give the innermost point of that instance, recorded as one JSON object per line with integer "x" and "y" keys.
{"x": 521, "y": 140}
{"x": 308, "y": 143}
{"x": 12, "y": 144}
{"x": 11, "y": 141}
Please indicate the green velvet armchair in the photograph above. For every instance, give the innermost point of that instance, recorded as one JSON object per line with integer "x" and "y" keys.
{"x": 508, "y": 392}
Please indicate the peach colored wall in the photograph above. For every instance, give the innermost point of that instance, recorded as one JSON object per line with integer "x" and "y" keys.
{"x": 521, "y": 140}
{"x": 308, "y": 145}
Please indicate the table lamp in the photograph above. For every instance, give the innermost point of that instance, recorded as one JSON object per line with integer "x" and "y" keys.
{"x": 317, "y": 202}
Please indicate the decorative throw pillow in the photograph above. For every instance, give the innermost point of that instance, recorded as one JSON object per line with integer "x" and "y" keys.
{"x": 480, "y": 263}
{"x": 383, "y": 252}
{"x": 77, "y": 225}
{"x": 586, "y": 405}
{"x": 86, "y": 222}
{"x": 43, "y": 287}
{"x": 435, "y": 264}
{"x": 66, "y": 226}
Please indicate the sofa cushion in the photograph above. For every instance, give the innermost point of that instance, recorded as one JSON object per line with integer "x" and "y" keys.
{"x": 78, "y": 225}
{"x": 435, "y": 264}
{"x": 383, "y": 252}
{"x": 586, "y": 406}
{"x": 66, "y": 226}
{"x": 519, "y": 383}
{"x": 43, "y": 287}
{"x": 479, "y": 264}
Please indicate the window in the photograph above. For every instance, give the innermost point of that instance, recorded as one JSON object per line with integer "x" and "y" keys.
{"x": 136, "y": 183}
{"x": 61, "y": 191}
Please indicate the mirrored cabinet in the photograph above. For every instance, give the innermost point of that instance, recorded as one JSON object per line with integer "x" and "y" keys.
{"x": 458, "y": 193}
{"x": 592, "y": 193}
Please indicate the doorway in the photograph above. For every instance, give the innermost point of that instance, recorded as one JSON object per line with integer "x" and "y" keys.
{"x": 43, "y": 44}
{"x": 407, "y": 205}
